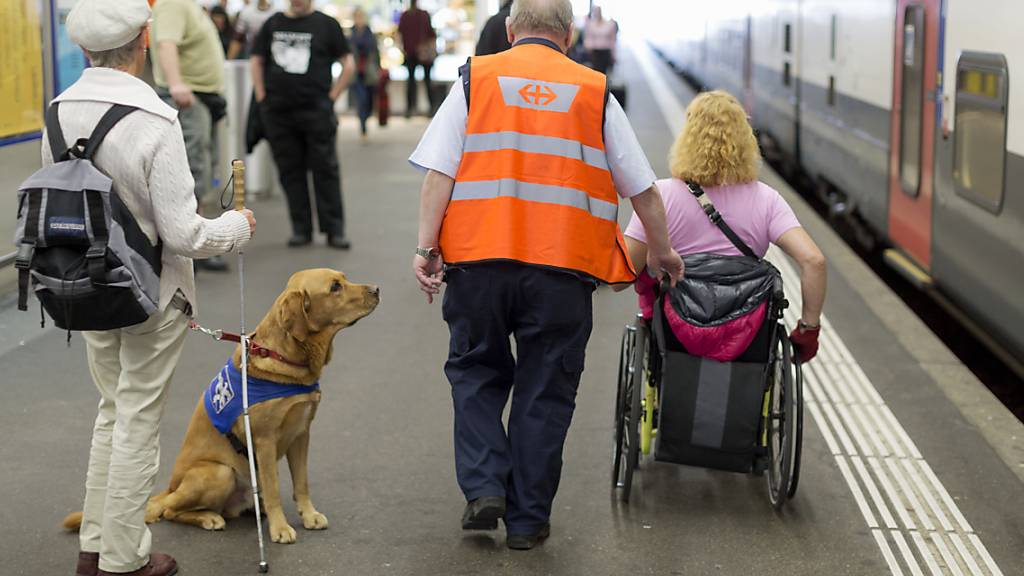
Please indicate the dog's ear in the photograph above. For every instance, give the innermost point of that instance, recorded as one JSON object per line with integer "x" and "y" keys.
{"x": 293, "y": 314}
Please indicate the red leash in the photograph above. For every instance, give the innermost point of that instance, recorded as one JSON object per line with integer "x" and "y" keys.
{"x": 254, "y": 348}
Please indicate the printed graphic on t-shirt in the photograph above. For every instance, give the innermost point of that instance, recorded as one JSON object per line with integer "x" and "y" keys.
{"x": 291, "y": 51}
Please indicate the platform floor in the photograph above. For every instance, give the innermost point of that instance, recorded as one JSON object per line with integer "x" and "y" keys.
{"x": 910, "y": 467}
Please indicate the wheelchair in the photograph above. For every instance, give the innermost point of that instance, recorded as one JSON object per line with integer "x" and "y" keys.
{"x": 742, "y": 416}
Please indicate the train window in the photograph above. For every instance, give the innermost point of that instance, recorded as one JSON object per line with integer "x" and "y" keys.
{"x": 787, "y": 46}
{"x": 787, "y": 78}
{"x": 912, "y": 115}
{"x": 831, "y": 90}
{"x": 979, "y": 147}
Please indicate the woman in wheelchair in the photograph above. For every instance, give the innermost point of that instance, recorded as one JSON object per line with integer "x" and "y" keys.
{"x": 717, "y": 151}
{"x": 707, "y": 376}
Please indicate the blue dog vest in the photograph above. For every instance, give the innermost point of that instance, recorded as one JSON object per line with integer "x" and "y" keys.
{"x": 223, "y": 397}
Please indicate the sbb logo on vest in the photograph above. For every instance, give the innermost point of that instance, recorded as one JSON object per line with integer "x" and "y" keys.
{"x": 536, "y": 95}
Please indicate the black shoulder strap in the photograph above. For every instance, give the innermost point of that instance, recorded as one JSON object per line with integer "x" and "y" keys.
{"x": 607, "y": 95}
{"x": 55, "y": 134}
{"x": 464, "y": 75}
{"x": 112, "y": 117}
{"x": 716, "y": 219}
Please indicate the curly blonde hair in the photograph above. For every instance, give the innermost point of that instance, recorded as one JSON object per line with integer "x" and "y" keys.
{"x": 717, "y": 146}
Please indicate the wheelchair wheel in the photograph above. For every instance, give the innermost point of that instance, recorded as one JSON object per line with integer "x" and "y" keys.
{"x": 628, "y": 410}
{"x": 621, "y": 389}
{"x": 783, "y": 440}
{"x": 798, "y": 440}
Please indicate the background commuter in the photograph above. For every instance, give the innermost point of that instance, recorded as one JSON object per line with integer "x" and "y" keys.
{"x": 419, "y": 48}
{"x": 489, "y": 210}
{"x": 367, "y": 57}
{"x": 144, "y": 154}
{"x": 247, "y": 25}
{"x": 188, "y": 68}
{"x": 291, "y": 76}
{"x": 494, "y": 37}
{"x": 222, "y": 22}
{"x": 717, "y": 150}
{"x": 599, "y": 40}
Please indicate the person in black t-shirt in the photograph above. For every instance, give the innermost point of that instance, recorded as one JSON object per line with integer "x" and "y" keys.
{"x": 494, "y": 37}
{"x": 291, "y": 74}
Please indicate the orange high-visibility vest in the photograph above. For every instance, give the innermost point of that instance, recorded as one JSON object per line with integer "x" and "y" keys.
{"x": 534, "y": 185}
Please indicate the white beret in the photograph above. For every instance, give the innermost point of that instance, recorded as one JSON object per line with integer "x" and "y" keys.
{"x": 98, "y": 25}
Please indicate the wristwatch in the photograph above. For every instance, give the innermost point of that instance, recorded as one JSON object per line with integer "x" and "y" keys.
{"x": 428, "y": 253}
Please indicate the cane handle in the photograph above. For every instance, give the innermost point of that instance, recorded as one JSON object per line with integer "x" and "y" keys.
{"x": 238, "y": 177}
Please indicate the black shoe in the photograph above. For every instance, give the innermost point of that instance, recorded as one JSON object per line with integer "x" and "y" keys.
{"x": 483, "y": 513}
{"x": 299, "y": 240}
{"x": 527, "y": 541}
{"x": 338, "y": 242}
{"x": 213, "y": 264}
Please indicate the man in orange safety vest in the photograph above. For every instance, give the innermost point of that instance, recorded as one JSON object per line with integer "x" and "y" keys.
{"x": 526, "y": 160}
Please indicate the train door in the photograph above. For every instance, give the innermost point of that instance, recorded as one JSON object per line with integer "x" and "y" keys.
{"x": 912, "y": 151}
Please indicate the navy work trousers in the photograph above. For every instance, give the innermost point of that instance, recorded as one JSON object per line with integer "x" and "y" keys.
{"x": 550, "y": 316}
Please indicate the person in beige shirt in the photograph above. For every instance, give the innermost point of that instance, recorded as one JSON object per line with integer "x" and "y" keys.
{"x": 188, "y": 68}
{"x": 144, "y": 155}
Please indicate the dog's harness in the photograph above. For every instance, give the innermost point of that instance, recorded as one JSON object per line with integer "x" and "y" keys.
{"x": 223, "y": 402}
{"x": 254, "y": 348}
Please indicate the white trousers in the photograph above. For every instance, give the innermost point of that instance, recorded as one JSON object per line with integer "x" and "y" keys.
{"x": 132, "y": 368}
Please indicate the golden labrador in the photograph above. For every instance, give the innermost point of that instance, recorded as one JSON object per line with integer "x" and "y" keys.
{"x": 210, "y": 480}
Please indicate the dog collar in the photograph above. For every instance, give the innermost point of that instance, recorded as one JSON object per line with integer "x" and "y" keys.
{"x": 264, "y": 352}
{"x": 254, "y": 348}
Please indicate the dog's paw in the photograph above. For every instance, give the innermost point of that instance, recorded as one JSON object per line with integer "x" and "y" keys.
{"x": 284, "y": 534}
{"x": 213, "y": 522}
{"x": 314, "y": 521}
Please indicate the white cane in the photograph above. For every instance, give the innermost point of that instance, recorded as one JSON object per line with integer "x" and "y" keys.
{"x": 238, "y": 176}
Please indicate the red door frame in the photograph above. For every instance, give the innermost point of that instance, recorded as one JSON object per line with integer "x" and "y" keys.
{"x": 910, "y": 217}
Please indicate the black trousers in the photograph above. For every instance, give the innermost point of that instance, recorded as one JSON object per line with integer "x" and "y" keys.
{"x": 601, "y": 60}
{"x": 304, "y": 140}
{"x": 549, "y": 314}
{"x": 411, "y": 94}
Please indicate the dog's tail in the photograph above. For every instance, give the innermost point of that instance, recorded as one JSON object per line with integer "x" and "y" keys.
{"x": 155, "y": 507}
{"x": 154, "y": 510}
{"x": 72, "y": 521}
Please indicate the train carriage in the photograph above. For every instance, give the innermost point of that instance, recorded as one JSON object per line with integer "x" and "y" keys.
{"x": 901, "y": 110}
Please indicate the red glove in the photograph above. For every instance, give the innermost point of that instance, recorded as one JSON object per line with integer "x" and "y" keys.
{"x": 805, "y": 341}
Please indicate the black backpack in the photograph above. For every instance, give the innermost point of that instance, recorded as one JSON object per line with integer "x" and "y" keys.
{"x": 79, "y": 248}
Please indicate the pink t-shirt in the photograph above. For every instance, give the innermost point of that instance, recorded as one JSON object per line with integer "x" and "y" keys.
{"x": 755, "y": 211}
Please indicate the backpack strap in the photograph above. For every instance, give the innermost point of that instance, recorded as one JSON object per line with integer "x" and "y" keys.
{"x": 55, "y": 134}
{"x": 109, "y": 119}
{"x": 26, "y": 251}
{"x": 95, "y": 256}
{"x": 464, "y": 76}
{"x": 716, "y": 219}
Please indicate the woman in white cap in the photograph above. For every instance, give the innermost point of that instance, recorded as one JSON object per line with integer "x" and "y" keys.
{"x": 144, "y": 154}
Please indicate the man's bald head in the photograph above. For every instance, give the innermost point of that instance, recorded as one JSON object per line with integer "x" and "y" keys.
{"x": 541, "y": 17}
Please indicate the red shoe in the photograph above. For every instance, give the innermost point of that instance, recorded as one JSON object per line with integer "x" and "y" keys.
{"x": 159, "y": 565}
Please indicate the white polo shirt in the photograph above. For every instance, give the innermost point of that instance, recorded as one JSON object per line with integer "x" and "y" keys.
{"x": 440, "y": 149}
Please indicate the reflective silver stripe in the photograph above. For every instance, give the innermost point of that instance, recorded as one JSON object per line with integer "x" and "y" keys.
{"x": 492, "y": 141}
{"x": 486, "y": 189}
